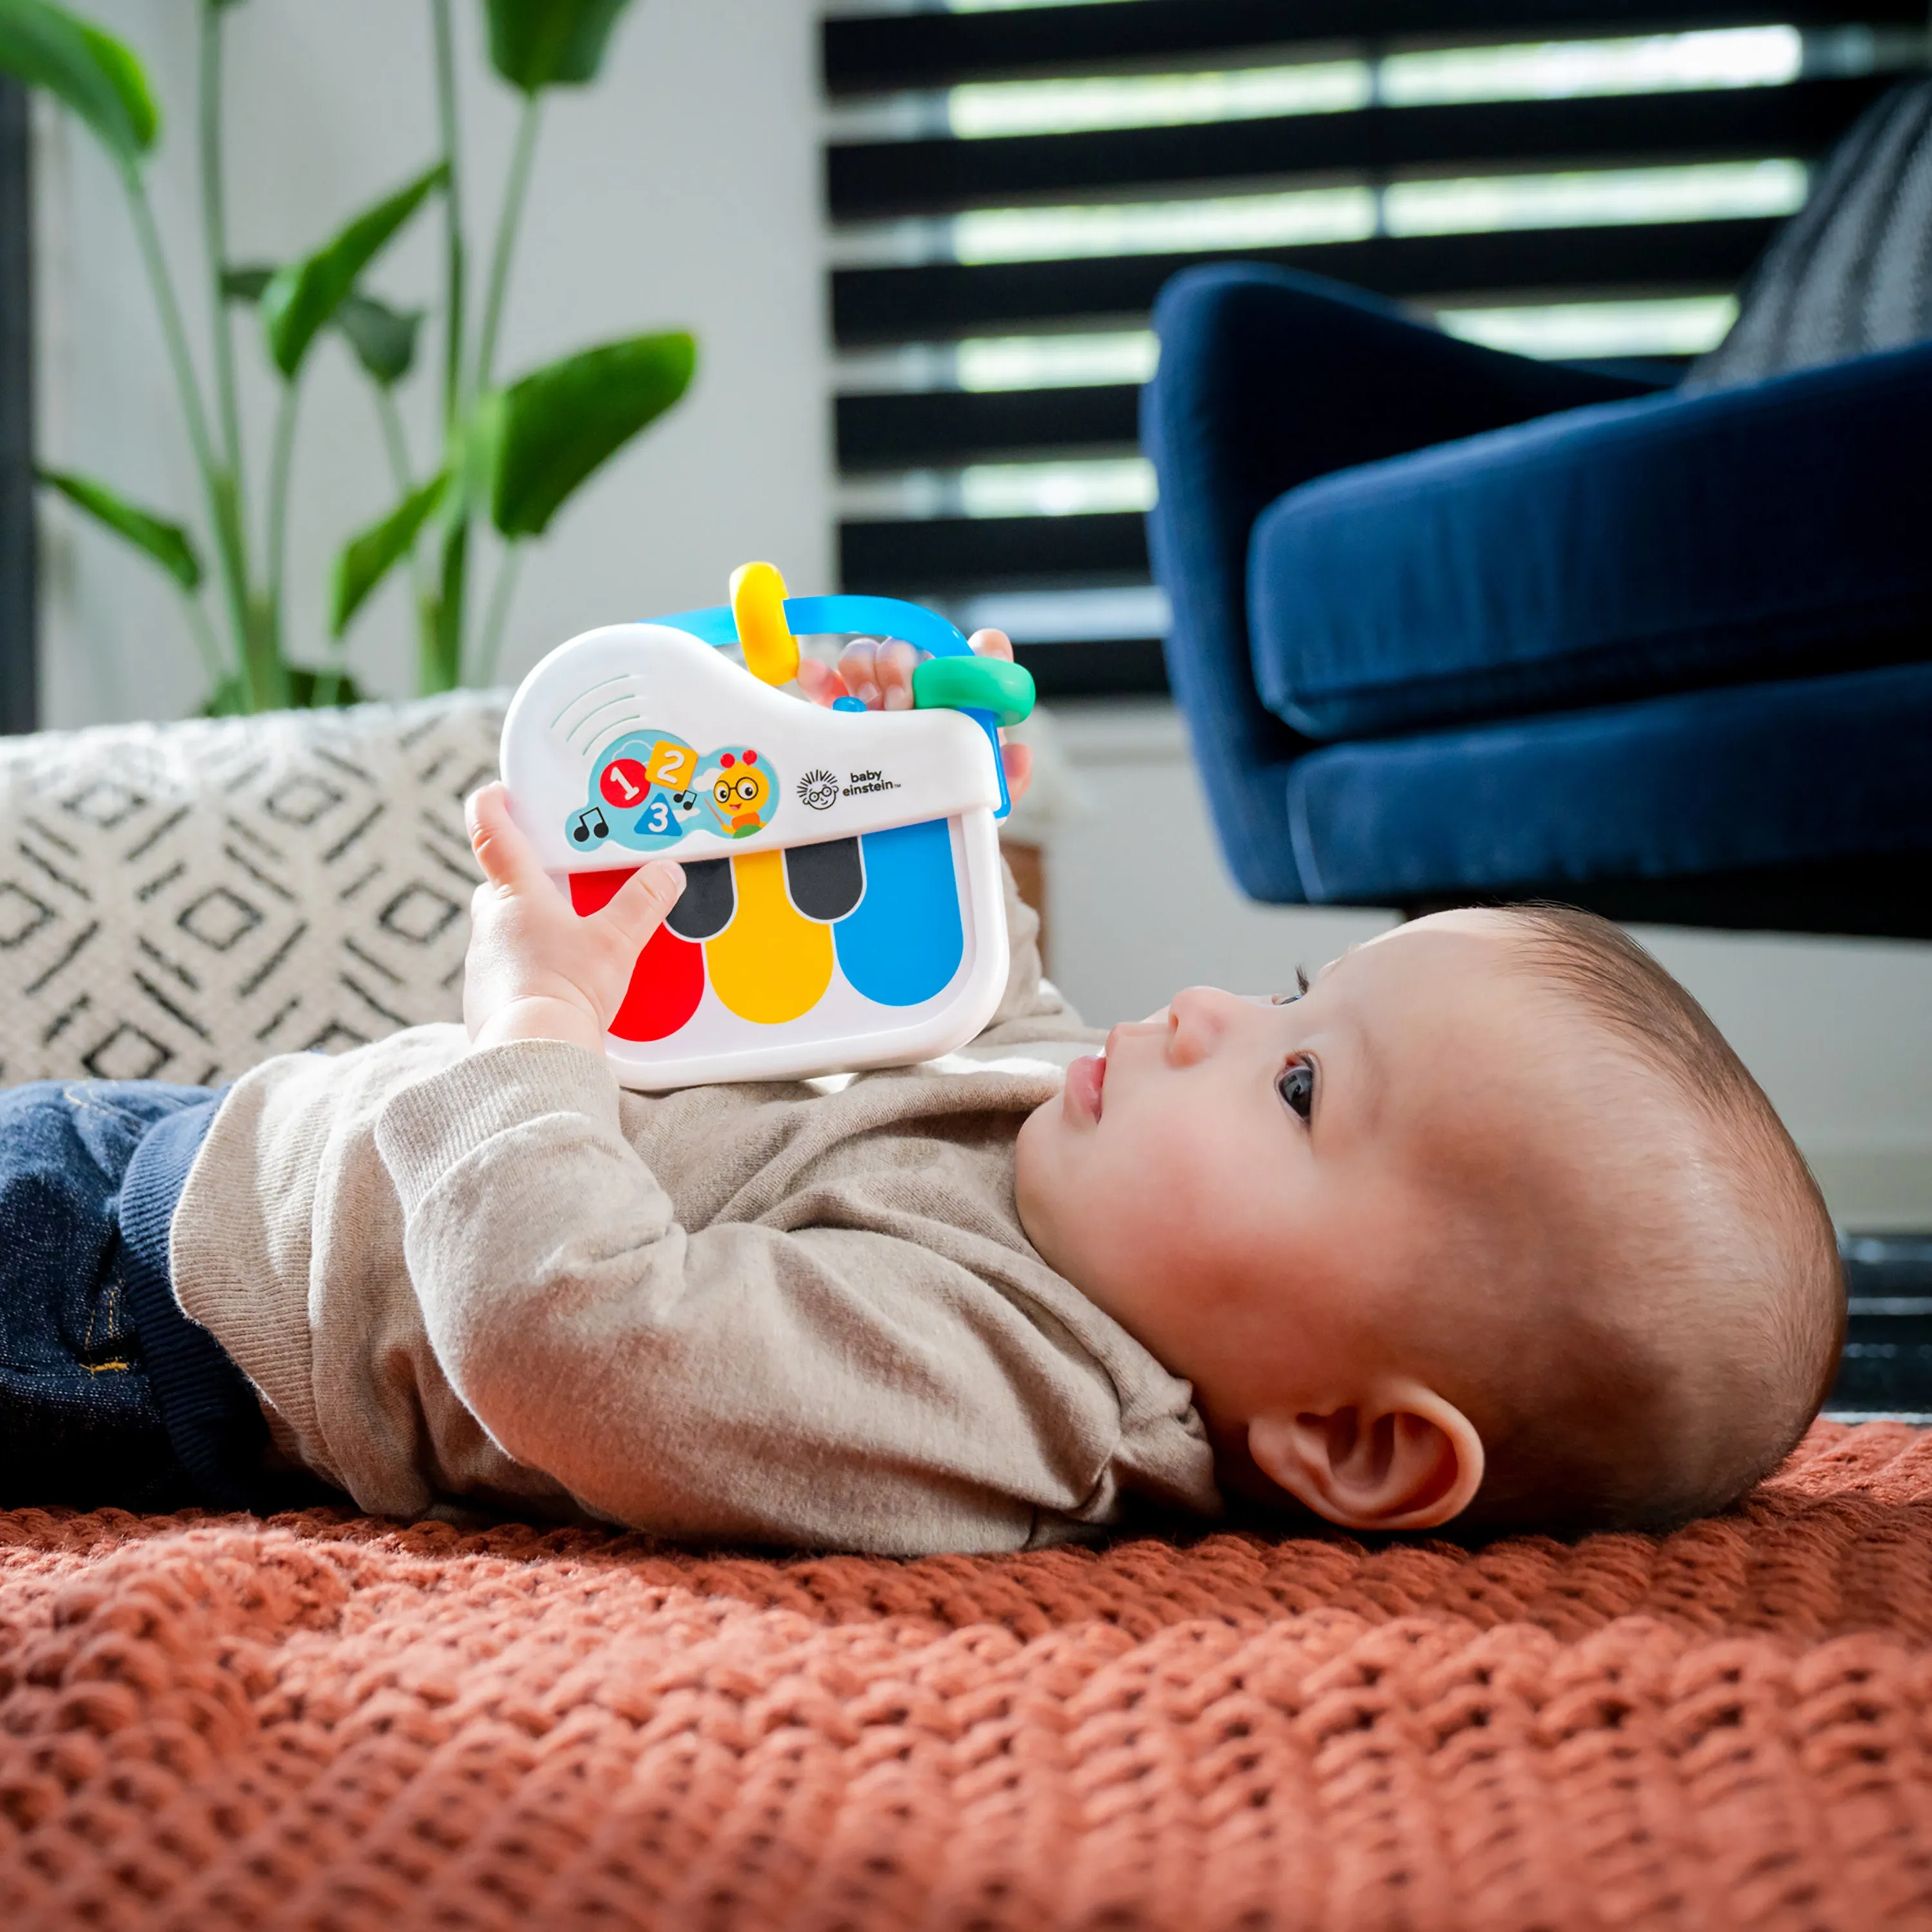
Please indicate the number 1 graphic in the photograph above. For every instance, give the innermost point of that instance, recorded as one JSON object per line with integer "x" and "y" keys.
{"x": 623, "y": 781}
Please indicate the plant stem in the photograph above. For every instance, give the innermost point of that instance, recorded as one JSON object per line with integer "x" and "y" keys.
{"x": 330, "y": 681}
{"x": 452, "y": 211}
{"x": 281, "y": 465}
{"x": 203, "y": 634}
{"x": 215, "y": 226}
{"x": 442, "y": 660}
{"x": 223, "y": 507}
{"x": 515, "y": 188}
{"x": 397, "y": 444}
{"x": 394, "y": 440}
{"x": 501, "y": 593}
{"x": 440, "y": 649}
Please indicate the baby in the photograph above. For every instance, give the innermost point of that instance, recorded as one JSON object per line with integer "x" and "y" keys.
{"x": 1486, "y": 1225}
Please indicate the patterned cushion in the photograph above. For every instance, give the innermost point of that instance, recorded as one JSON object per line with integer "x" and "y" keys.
{"x": 179, "y": 901}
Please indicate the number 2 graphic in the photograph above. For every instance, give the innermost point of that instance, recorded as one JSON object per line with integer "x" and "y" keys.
{"x": 670, "y": 764}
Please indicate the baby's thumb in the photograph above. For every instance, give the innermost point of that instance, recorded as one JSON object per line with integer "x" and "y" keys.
{"x": 637, "y": 907}
{"x": 505, "y": 854}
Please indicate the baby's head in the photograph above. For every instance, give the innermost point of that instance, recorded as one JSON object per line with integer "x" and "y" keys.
{"x": 1490, "y": 1224}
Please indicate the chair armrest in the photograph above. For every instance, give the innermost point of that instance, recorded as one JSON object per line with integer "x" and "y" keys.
{"x": 1775, "y": 529}
{"x": 1268, "y": 378}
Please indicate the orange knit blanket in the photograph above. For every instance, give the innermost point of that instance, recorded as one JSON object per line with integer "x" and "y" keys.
{"x": 324, "y": 1721}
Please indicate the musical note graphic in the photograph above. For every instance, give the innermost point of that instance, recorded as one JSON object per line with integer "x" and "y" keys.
{"x": 589, "y": 826}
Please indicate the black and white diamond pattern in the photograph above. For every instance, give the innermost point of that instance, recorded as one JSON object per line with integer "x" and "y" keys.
{"x": 179, "y": 901}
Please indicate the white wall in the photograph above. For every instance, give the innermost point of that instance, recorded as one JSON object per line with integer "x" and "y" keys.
{"x": 1838, "y": 1031}
{"x": 680, "y": 191}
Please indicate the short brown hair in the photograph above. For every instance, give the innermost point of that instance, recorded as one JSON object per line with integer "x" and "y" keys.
{"x": 1635, "y": 1434}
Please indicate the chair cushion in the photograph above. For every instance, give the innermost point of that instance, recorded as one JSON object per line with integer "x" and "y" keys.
{"x": 1807, "y": 769}
{"x": 180, "y": 901}
{"x": 1665, "y": 543}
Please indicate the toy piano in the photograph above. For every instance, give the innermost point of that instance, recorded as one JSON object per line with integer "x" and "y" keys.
{"x": 842, "y": 905}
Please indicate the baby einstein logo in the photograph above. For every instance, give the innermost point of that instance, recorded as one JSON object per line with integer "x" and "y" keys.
{"x": 819, "y": 790}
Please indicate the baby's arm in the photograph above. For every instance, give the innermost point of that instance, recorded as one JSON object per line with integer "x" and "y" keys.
{"x": 774, "y": 1380}
{"x": 817, "y": 1385}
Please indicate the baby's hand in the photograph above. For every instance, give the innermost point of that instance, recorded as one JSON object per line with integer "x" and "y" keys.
{"x": 534, "y": 970}
{"x": 879, "y": 676}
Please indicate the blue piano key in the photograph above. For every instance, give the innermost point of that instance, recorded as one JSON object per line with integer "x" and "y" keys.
{"x": 903, "y": 943}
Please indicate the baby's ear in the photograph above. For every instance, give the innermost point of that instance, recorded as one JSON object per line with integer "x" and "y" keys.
{"x": 1405, "y": 1459}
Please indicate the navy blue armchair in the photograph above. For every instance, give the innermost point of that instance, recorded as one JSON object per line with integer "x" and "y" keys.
{"x": 1451, "y": 625}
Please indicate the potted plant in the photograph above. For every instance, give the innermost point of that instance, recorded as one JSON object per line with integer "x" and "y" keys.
{"x": 514, "y": 451}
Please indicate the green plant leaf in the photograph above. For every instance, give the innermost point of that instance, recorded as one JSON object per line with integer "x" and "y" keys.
{"x": 536, "y": 43}
{"x": 367, "y": 558}
{"x": 307, "y": 687}
{"x": 553, "y": 428}
{"x": 303, "y": 297}
{"x": 245, "y": 281}
{"x": 229, "y": 699}
{"x": 167, "y": 544}
{"x": 310, "y": 686}
{"x": 87, "y": 71}
{"x": 383, "y": 338}
{"x": 129, "y": 79}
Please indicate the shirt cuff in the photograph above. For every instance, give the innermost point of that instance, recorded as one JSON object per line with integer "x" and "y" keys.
{"x": 426, "y": 1129}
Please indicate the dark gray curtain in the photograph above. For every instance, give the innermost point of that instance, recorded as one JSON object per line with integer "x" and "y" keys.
{"x": 19, "y": 682}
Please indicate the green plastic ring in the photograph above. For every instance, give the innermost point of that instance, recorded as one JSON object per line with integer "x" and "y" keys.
{"x": 974, "y": 684}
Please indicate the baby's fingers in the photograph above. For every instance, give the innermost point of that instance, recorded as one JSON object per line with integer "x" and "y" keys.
{"x": 858, "y": 670}
{"x": 509, "y": 859}
{"x": 896, "y": 664}
{"x": 1018, "y": 761}
{"x": 992, "y": 644}
{"x": 879, "y": 674}
{"x": 820, "y": 682}
{"x": 639, "y": 906}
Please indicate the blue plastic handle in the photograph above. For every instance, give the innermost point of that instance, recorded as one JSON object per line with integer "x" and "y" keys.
{"x": 872, "y": 616}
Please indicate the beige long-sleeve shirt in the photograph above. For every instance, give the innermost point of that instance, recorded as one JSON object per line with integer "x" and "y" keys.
{"x": 802, "y": 1313}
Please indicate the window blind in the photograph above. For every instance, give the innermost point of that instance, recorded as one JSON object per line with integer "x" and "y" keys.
{"x": 1008, "y": 185}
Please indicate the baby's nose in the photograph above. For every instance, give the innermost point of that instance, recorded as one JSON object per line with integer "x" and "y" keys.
{"x": 1198, "y": 1017}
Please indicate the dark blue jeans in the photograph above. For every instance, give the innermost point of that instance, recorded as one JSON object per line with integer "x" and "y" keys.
{"x": 109, "y": 1394}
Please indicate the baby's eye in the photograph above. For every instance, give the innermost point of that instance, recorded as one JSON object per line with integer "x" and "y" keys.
{"x": 1296, "y": 1086}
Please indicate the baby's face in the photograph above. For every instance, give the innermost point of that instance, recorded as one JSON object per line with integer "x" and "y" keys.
{"x": 1252, "y": 1189}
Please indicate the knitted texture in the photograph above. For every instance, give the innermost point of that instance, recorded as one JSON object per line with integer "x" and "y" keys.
{"x": 325, "y": 1721}
{"x": 1851, "y": 273}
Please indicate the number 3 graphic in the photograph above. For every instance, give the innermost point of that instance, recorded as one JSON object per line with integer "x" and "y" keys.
{"x": 657, "y": 819}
